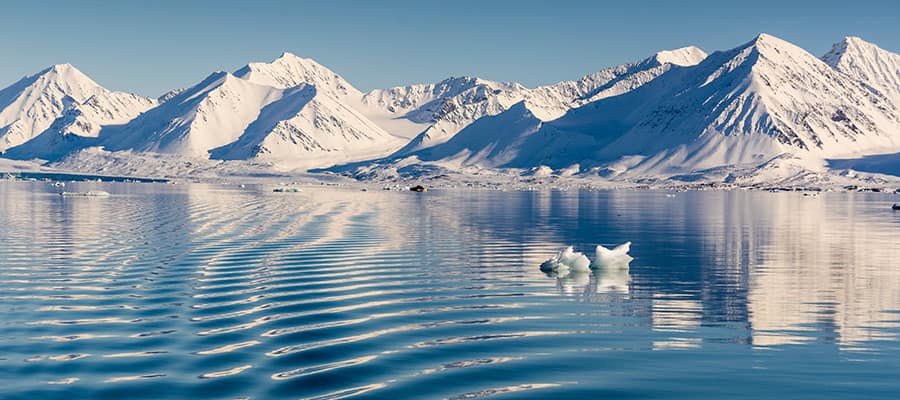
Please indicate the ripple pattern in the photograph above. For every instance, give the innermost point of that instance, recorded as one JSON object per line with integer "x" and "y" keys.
{"x": 206, "y": 291}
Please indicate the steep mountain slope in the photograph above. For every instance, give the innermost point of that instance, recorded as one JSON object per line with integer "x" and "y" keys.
{"x": 445, "y": 108}
{"x": 488, "y": 142}
{"x": 60, "y": 101}
{"x": 611, "y": 81}
{"x": 744, "y": 107}
{"x": 868, "y": 63}
{"x": 211, "y": 114}
{"x": 289, "y": 70}
{"x": 265, "y": 113}
{"x": 305, "y": 128}
{"x": 741, "y": 106}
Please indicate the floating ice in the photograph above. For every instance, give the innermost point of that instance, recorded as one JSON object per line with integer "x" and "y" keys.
{"x": 617, "y": 257}
{"x": 92, "y": 193}
{"x": 567, "y": 260}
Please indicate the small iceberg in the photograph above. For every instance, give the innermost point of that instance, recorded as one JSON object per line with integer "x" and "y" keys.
{"x": 92, "y": 193}
{"x": 567, "y": 260}
{"x": 617, "y": 257}
{"x": 59, "y": 184}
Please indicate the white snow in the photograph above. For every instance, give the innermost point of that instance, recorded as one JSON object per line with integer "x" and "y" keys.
{"x": 869, "y": 64}
{"x": 213, "y": 113}
{"x": 444, "y": 109}
{"x": 289, "y": 70}
{"x": 737, "y": 107}
{"x": 766, "y": 111}
{"x": 307, "y": 129}
{"x": 57, "y": 102}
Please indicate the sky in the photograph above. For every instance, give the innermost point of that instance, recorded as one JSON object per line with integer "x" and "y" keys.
{"x": 151, "y": 47}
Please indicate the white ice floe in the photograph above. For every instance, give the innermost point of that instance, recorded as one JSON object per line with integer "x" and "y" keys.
{"x": 91, "y": 193}
{"x": 567, "y": 260}
{"x": 617, "y": 257}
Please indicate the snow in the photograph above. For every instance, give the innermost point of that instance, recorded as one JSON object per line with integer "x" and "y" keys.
{"x": 213, "y": 113}
{"x": 765, "y": 112}
{"x": 305, "y": 129}
{"x": 57, "y": 102}
{"x": 446, "y": 108}
{"x": 289, "y": 70}
{"x": 741, "y": 106}
{"x": 869, "y": 64}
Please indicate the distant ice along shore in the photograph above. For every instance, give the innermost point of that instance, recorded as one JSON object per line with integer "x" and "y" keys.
{"x": 490, "y": 179}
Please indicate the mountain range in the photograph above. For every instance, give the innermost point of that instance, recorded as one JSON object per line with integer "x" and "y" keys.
{"x": 676, "y": 112}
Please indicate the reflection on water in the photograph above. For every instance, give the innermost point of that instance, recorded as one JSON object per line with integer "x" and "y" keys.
{"x": 204, "y": 291}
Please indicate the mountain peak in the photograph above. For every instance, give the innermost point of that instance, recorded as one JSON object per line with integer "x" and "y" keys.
{"x": 866, "y": 62}
{"x": 684, "y": 56}
{"x": 853, "y": 49}
{"x": 289, "y": 70}
{"x": 65, "y": 67}
{"x": 288, "y": 55}
{"x": 854, "y": 39}
{"x": 32, "y": 105}
{"x": 771, "y": 48}
{"x": 765, "y": 40}
{"x": 66, "y": 72}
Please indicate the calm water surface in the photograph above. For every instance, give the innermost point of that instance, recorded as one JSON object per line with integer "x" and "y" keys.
{"x": 205, "y": 291}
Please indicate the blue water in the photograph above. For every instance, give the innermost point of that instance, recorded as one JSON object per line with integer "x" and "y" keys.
{"x": 206, "y": 291}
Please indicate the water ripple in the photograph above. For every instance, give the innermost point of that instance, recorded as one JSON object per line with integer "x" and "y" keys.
{"x": 215, "y": 291}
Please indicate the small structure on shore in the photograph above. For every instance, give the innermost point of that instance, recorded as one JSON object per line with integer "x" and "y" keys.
{"x": 418, "y": 188}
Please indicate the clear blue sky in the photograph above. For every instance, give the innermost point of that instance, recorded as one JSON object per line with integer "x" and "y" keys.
{"x": 149, "y": 47}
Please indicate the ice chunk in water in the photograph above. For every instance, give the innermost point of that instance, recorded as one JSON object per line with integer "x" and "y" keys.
{"x": 567, "y": 260}
{"x": 617, "y": 257}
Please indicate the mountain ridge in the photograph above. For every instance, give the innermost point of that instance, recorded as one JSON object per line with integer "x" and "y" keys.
{"x": 668, "y": 114}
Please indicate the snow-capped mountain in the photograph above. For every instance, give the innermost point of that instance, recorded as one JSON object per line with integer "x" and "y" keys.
{"x": 767, "y": 105}
{"x": 744, "y": 106}
{"x": 868, "y": 63}
{"x": 445, "y": 108}
{"x": 289, "y": 70}
{"x": 60, "y": 101}
{"x": 211, "y": 114}
{"x": 306, "y": 128}
{"x": 558, "y": 98}
{"x": 288, "y": 112}
{"x": 491, "y": 141}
